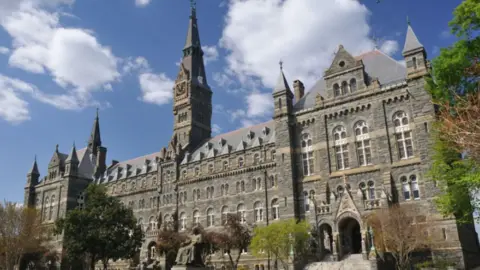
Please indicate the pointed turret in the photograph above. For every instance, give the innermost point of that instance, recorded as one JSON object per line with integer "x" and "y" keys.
{"x": 71, "y": 163}
{"x": 282, "y": 84}
{"x": 34, "y": 170}
{"x": 282, "y": 95}
{"x": 411, "y": 42}
{"x": 95, "y": 141}
{"x": 415, "y": 55}
{"x": 72, "y": 157}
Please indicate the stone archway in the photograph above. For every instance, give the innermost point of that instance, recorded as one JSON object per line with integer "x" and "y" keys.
{"x": 350, "y": 236}
{"x": 152, "y": 251}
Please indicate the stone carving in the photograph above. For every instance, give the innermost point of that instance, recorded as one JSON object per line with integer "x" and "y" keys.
{"x": 190, "y": 253}
{"x": 346, "y": 205}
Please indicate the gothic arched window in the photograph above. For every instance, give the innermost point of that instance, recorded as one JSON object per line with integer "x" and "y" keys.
{"x": 196, "y": 217}
{"x": 403, "y": 135}
{"x": 52, "y": 201}
{"x": 256, "y": 159}
{"x": 240, "y": 162}
{"x": 241, "y": 213}
{"x": 258, "y": 211}
{"x": 183, "y": 221}
{"x": 224, "y": 214}
{"x": 371, "y": 190}
{"x": 344, "y": 88}
{"x": 362, "y": 141}
{"x": 210, "y": 217}
{"x": 336, "y": 90}
{"x": 341, "y": 147}
{"x": 275, "y": 209}
{"x": 307, "y": 154}
{"x": 353, "y": 85}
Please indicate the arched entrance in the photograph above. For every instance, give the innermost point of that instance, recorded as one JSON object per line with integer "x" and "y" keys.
{"x": 350, "y": 236}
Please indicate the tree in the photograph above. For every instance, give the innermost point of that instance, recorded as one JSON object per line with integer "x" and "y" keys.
{"x": 21, "y": 233}
{"x": 234, "y": 237}
{"x": 104, "y": 230}
{"x": 169, "y": 240}
{"x": 282, "y": 239}
{"x": 454, "y": 87}
{"x": 398, "y": 233}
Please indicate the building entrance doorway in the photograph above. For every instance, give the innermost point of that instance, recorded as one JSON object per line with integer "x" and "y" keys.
{"x": 350, "y": 236}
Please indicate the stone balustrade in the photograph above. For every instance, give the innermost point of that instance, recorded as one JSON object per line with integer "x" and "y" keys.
{"x": 372, "y": 204}
{"x": 324, "y": 209}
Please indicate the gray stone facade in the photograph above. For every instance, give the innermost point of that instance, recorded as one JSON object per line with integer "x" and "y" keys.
{"x": 344, "y": 149}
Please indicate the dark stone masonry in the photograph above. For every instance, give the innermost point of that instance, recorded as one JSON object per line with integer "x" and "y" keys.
{"x": 358, "y": 140}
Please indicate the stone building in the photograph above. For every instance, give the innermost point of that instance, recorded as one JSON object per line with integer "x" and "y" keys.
{"x": 357, "y": 140}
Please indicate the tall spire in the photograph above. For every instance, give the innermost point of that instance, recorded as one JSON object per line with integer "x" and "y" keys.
{"x": 192, "y": 51}
{"x": 411, "y": 41}
{"x": 34, "y": 170}
{"x": 95, "y": 141}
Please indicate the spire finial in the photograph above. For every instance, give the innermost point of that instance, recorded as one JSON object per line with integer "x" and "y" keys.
{"x": 281, "y": 64}
{"x": 97, "y": 112}
{"x": 56, "y": 148}
{"x": 408, "y": 20}
{"x": 35, "y": 158}
{"x": 73, "y": 144}
{"x": 193, "y": 6}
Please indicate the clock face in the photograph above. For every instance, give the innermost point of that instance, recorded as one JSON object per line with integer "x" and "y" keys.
{"x": 181, "y": 88}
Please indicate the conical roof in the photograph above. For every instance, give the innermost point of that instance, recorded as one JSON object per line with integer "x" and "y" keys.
{"x": 411, "y": 41}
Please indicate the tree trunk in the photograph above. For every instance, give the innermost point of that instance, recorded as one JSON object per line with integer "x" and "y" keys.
{"x": 92, "y": 263}
{"x": 105, "y": 264}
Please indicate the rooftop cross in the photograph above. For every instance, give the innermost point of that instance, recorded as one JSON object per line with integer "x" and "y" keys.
{"x": 281, "y": 64}
{"x": 408, "y": 20}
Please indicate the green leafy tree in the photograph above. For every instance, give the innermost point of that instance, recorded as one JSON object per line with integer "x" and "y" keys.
{"x": 284, "y": 240}
{"x": 454, "y": 87}
{"x": 104, "y": 229}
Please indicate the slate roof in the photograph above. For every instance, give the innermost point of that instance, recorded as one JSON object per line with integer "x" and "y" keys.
{"x": 132, "y": 167}
{"x": 411, "y": 42}
{"x": 236, "y": 140}
{"x": 377, "y": 65}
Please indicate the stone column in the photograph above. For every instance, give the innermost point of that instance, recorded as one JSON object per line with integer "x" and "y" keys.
{"x": 364, "y": 246}
{"x": 334, "y": 247}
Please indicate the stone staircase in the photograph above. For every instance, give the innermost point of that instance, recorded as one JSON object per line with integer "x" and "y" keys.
{"x": 349, "y": 262}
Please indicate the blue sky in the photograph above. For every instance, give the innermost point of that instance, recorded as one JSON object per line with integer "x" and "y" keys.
{"x": 60, "y": 59}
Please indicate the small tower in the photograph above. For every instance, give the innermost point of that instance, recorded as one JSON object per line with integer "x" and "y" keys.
{"x": 32, "y": 180}
{"x": 282, "y": 96}
{"x": 71, "y": 163}
{"x": 415, "y": 55}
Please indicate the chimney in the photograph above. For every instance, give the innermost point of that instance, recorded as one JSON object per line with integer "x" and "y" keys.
{"x": 299, "y": 89}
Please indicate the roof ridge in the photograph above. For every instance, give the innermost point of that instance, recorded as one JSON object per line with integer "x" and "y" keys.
{"x": 237, "y": 130}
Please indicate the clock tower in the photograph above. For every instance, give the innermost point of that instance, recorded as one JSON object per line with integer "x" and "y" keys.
{"x": 192, "y": 106}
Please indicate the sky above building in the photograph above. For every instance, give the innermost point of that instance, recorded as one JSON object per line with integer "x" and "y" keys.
{"x": 62, "y": 59}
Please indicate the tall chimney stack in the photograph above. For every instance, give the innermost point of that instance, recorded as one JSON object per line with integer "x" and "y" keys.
{"x": 299, "y": 89}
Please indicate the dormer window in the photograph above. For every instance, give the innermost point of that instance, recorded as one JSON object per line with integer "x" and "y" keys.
{"x": 207, "y": 146}
{"x": 250, "y": 135}
{"x": 265, "y": 131}
{"x": 221, "y": 142}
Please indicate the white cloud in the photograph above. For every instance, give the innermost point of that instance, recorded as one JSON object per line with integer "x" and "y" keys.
{"x": 13, "y": 108}
{"x": 4, "y": 50}
{"x": 389, "y": 47}
{"x": 139, "y": 64}
{"x": 446, "y": 34}
{"x": 259, "y": 104}
{"x": 216, "y": 129}
{"x": 142, "y": 3}
{"x": 210, "y": 54}
{"x": 156, "y": 88}
{"x": 72, "y": 56}
{"x": 303, "y": 33}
